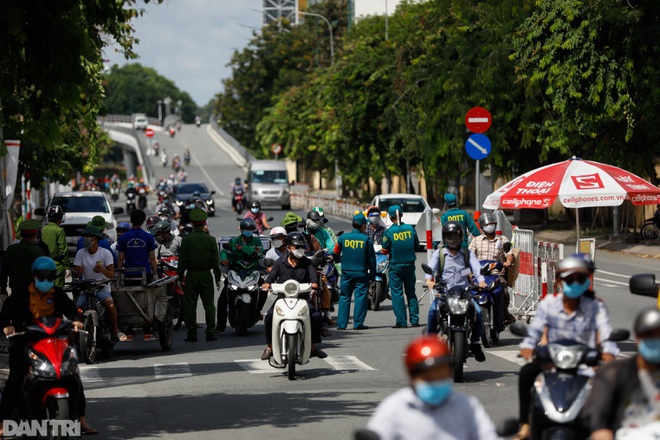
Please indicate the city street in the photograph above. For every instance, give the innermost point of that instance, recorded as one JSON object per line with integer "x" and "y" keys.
{"x": 222, "y": 390}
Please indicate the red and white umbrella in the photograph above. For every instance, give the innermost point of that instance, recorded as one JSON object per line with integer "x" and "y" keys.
{"x": 577, "y": 183}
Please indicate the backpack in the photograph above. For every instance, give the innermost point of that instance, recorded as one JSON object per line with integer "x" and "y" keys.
{"x": 441, "y": 265}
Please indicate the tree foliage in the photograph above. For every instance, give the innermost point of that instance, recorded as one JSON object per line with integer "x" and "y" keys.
{"x": 50, "y": 78}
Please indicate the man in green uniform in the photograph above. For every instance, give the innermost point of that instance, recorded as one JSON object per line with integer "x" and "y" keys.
{"x": 454, "y": 214}
{"x": 246, "y": 249}
{"x": 400, "y": 242}
{"x": 54, "y": 237}
{"x": 197, "y": 256}
{"x": 18, "y": 259}
{"x": 358, "y": 264}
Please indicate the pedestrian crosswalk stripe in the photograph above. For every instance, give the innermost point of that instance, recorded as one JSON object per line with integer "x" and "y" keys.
{"x": 169, "y": 371}
{"x": 90, "y": 373}
{"x": 509, "y": 355}
{"x": 347, "y": 363}
{"x": 256, "y": 366}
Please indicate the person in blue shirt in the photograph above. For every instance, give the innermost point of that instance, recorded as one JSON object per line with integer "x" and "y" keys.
{"x": 455, "y": 214}
{"x": 137, "y": 248}
{"x": 356, "y": 251}
{"x": 99, "y": 223}
{"x": 453, "y": 265}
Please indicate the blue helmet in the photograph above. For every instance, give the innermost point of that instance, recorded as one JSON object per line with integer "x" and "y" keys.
{"x": 43, "y": 263}
{"x": 124, "y": 226}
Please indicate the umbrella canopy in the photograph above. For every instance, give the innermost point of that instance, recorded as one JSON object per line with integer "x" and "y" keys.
{"x": 577, "y": 183}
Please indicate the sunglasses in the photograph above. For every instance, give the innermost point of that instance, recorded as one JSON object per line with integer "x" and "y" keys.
{"x": 45, "y": 275}
{"x": 576, "y": 278}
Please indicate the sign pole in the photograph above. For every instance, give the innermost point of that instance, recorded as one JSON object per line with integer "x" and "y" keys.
{"x": 476, "y": 190}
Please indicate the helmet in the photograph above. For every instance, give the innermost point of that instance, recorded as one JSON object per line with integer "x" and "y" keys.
{"x": 277, "y": 231}
{"x": 165, "y": 214}
{"x": 162, "y": 226}
{"x": 452, "y": 234}
{"x": 321, "y": 213}
{"x": 43, "y": 263}
{"x": 296, "y": 239}
{"x": 248, "y": 223}
{"x": 571, "y": 265}
{"x": 591, "y": 266}
{"x": 373, "y": 209}
{"x": 123, "y": 226}
{"x": 424, "y": 353}
{"x": 314, "y": 220}
{"x": 487, "y": 219}
{"x": 172, "y": 176}
{"x": 255, "y": 204}
{"x": 55, "y": 213}
{"x": 186, "y": 229}
{"x": 647, "y": 321}
{"x": 197, "y": 194}
{"x": 151, "y": 221}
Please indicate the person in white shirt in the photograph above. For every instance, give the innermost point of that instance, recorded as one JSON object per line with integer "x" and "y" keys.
{"x": 96, "y": 263}
{"x": 277, "y": 238}
{"x": 430, "y": 408}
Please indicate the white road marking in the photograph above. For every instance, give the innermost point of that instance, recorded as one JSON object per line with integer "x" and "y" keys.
{"x": 477, "y": 146}
{"x": 206, "y": 174}
{"x": 170, "y": 371}
{"x": 90, "y": 373}
{"x": 347, "y": 363}
{"x": 256, "y": 366}
{"x": 613, "y": 274}
{"x": 618, "y": 283}
{"x": 509, "y": 355}
{"x": 478, "y": 120}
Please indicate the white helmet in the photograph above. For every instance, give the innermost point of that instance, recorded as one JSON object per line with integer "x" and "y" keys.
{"x": 278, "y": 230}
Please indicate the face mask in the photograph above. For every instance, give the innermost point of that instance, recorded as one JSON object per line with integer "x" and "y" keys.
{"x": 254, "y": 210}
{"x": 247, "y": 233}
{"x": 160, "y": 239}
{"x": 298, "y": 253}
{"x": 88, "y": 242}
{"x": 311, "y": 225}
{"x": 650, "y": 350}
{"x": 575, "y": 290}
{"x": 489, "y": 229}
{"x": 434, "y": 393}
{"x": 373, "y": 220}
{"x": 43, "y": 286}
{"x": 277, "y": 244}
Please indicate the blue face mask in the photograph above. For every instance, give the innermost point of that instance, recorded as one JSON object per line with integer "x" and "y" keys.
{"x": 575, "y": 290}
{"x": 247, "y": 233}
{"x": 254, "y": 210}
{"x": 43, "y": 286}
{"x": 650, "y": 350}
{"x": 434, "y": 393}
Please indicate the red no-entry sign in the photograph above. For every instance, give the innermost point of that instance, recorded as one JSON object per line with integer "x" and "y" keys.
{"x": 478, "y": 120}
{"x": 149, "y": 132}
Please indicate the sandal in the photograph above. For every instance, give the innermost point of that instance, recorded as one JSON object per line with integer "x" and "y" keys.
{"x": 325, "y": 333}
{"x": 121, "y": 337}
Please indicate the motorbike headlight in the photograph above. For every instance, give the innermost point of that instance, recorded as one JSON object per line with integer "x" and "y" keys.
{"x": 458, "y": 306}
{"x": 251, "y": 287}
{"x": 382, "y": 266}
{"x": 291, "y": 289}
{"x": 483, "y": 299}
{"x": 233, "y": 287}
{"x": 564, "y": 357}
{"x": 40, "y": 366}
{"x": 70, "y": 363}
{"x": 179, "y": 203}
{"x": 303, "y": 312}
{"x": 279, "y": 311}
{"x": 209, "y": 202}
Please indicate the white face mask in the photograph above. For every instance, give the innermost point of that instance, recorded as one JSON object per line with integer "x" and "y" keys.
{"x": 489, "y": 229}
{"x": 277, "y": 243}
{"x": 298, "y": 253}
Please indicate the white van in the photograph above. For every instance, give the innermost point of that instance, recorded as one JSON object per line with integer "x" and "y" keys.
{"x": 140, "y": 122}
{"x": 268, "y": 182}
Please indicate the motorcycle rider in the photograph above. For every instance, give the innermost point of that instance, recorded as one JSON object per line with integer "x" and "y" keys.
{"x": 151, "y": 222}
{"x": 54, "y": 237}
{"x": 430, "y": 407}
{"x": 18, "y": 258}
{"x": 131, "y": 190}
{"x": 625, "y": 392}
{"x": 294, "y": 266}
{"x": 454, "y": 214}
{"x": 489, "y": 247}
{"x": 175, "y": 212}
{"x": 356, "y": 251}
{"x": 314, "y": 226}
{"x": 165, "y": 215}
{"x": 93, "y": 262}
{"x": 571, "y": 315}
{"x": 248, "y": 248}
{"x": 324, "y": 225}
{"x": 278, "y": 240}
{"x": 291, "y": 222}
{"x": 453, "y": 265}
{"x": 375, "y": 229}
{"x": 236, "y": 187}
{"x": 259, "y": 217}
{"x": 400, "y": 242}
{"x": 39, "y": 297}
{"x": 168, "y": 243}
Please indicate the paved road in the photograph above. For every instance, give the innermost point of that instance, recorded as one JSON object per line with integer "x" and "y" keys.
{"x": 206, "y": 390}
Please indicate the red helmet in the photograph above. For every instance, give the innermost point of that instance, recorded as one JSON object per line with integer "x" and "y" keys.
{"x": 151, "y": 221}
{"x": 426, "y": 352}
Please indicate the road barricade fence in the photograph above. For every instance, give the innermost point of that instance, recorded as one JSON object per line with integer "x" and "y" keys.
{"x": 331, "y": 205}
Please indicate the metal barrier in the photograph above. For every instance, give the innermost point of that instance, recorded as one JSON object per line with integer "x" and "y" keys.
{"x": 233, "y": 142}
{"x": 331, "y": 205}
{"x": 524, "y": 291}
{"x": 547, "y": 255}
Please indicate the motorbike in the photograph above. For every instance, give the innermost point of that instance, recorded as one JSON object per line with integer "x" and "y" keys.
{"x": 178, "y": 125}
{"x": 560, "y": 393}
{"x": 651, "y": 229}
{"x": 186, "y": 159}
{"x": 130, "y": 203}
{"x": 241, "y": 282}
{"x": 161, "y": 195}
{"x": 142, "y": 198}
{"x": 198, "y": 122}
{"x": 239, "y": 202}
{"x": 156, "y": 147}
{"x": 176, "y": 165}
{"x": 491, "y": 301}
{"x": 96, "y": 321}
{"x": 378, "y": 287}
{"x": 52, "y": 387}
{"x": 172, "y": 131}
{"x": 114, "y": 193}
{"x": 169, "y": 266}
{"x": 163, "y": 159}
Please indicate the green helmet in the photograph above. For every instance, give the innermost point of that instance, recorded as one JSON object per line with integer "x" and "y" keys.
{"x": 162, "y": 226}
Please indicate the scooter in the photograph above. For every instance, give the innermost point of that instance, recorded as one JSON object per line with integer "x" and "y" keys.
{"x": 96, "y": 321}
{"x": 378, "y": 287}
{"x": 239, "y": 203}
{"x": 142, "y": 198}
{"x": 560, "y": 393}
{"x": 178, "y": 125}
{"x": 186, "y": 159}
{"x": 130, "y": 203}
{"x": 491, "y": 301}
{"x": 52, "y": 387}
{"x": 198, "y": 123}
{"x": 114, "y": 193}
{"x": 172, "y": 131}
{"x": 169, "y": 266}
{"x": 163, "y": 159}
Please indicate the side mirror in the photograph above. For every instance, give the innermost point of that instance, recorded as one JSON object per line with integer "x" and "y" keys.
{"x": 365, "y": 434}
{"x": 212, "y": 192}
{"x": 226, "y": 246}
{"x": 268, "y": 262}
{"x": 619, "y": 334}
{"x": 644, "y": 284}
{"x": 427, "y": 269}
{"x": 340, "y": 233}
{"x": 507, "y": 427}
{"x": 40, "y": 212}
{"x": 117, "y": 210}
{"x": 270, "y": 219}
{"x": 518, "y": 329}
{"x": 435, "y": 211}
{"x": 507, "y": 247}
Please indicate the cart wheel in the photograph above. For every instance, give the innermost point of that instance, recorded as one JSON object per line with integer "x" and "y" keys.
{"x": 166, "y": 330}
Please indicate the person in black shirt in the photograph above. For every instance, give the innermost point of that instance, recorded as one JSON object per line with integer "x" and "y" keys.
{"x": 294, "y": 266}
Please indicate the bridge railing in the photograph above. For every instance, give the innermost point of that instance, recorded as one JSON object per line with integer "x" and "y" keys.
{"x": 233, "y": 142}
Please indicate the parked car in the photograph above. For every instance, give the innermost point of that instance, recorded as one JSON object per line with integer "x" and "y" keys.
{"x": 185, "y": 191}
{"x": 80, "y": 207}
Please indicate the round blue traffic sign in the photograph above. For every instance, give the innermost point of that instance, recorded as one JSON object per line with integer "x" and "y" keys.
{"x": 478, "y": 146}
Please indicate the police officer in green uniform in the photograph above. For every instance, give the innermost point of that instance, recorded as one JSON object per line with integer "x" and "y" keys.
{"x": 400, "y": 242}
{"x": 18, "y": 259}
{"x": 54, "y": 237}
{"x": 356, "y": 251}
{"x": 197, "y": 256}
{"x": 454, "y": 214}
